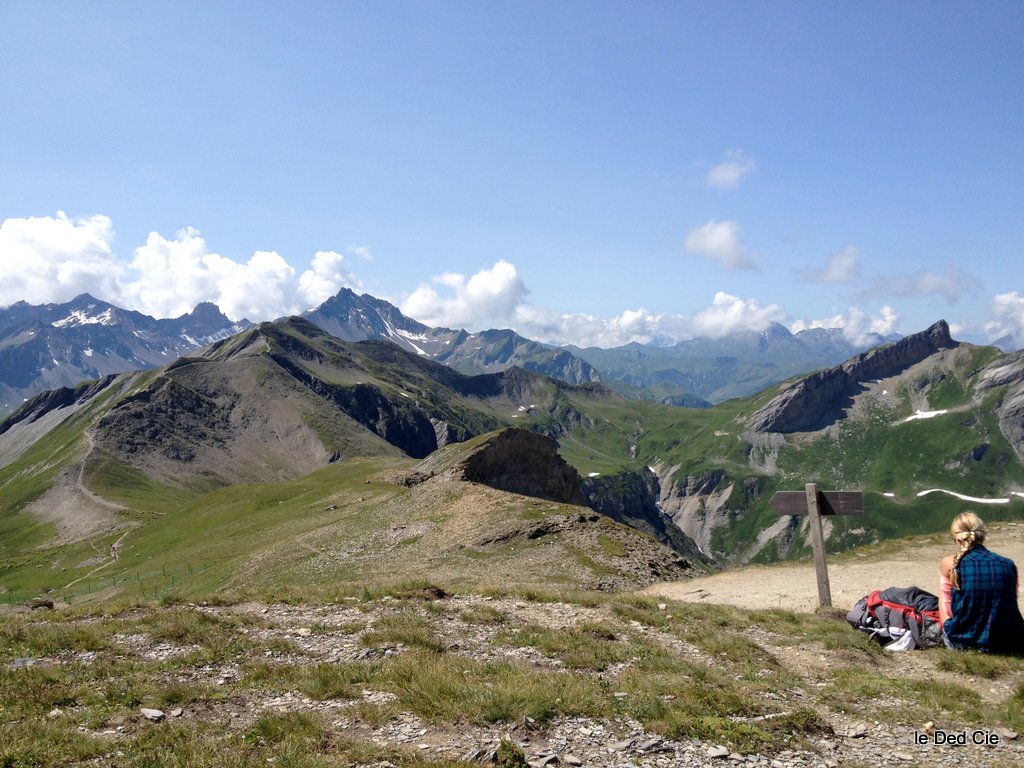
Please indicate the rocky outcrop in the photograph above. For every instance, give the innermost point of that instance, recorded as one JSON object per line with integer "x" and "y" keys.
{"x": 631, "y": 498}
{"x": 820, "y": 399}
{"x": 513, "y": 460}
{"x": 527, "y": 463}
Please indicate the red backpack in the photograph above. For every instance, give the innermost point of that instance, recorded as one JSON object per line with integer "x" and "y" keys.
{"x": 900, "y": 618}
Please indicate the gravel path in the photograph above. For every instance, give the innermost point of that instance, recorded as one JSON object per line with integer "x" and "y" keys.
{"x": 794, "y": 587}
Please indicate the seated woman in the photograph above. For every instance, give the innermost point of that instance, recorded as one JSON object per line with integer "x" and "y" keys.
{"x": 978, "y": 593}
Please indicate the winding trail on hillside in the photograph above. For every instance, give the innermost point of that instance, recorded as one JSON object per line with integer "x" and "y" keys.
{"x": 80, "y": 482}
{"x": 851, "y": 576}
{"x": 79, "y": 514}
{"x": 80, "y": 487}
{"x": 74, "y": 510}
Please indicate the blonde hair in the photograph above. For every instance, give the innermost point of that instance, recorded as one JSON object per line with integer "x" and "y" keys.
{"x": 968, "y": 531}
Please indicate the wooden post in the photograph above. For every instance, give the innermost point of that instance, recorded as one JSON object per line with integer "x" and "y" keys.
{"x": 818, "y": 545}
{"x": 815, "y": 504}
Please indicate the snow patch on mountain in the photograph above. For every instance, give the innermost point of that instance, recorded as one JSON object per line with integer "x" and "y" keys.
{"x": 79, "y": 317}
{"x": 972, "y": 499}
{"x": 925, "y": 415}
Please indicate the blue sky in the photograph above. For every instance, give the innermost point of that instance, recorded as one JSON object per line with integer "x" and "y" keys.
{"x": 584, "y": 172}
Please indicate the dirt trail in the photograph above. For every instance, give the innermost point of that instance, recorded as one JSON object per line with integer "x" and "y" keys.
{"x": 794, "y": 587}
{"x": 76, "y": 512}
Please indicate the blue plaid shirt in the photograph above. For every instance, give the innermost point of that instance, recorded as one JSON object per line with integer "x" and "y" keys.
{"x": 985, "y": 612}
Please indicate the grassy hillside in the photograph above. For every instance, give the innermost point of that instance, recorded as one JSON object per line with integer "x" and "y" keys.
{"x": 349, "y": 523}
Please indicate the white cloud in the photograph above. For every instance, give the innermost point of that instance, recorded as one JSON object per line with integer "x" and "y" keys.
{"x": 857, "y": 326}
{"x": 958, "y": 328}
{"x": 172, "y": 276}
{"x": 362, "y": 251}
{"x": 54, "y": 258}
{"x": 952, "y": 284}
{"x": 495, "y": 297}
{"x": 729, "y": 173}
{"x": 584, "y": 330}
{"x": 729, "y": 314}
{"x": 261, "y": 288}
{"x": 325, "y": 277}
{"x": 842, "y": 268}
{"x": 51, "y": 259}
{"x": 719, "y": 240}
{"x": 1007, "y": 313}
{"x": 490, "y": 296}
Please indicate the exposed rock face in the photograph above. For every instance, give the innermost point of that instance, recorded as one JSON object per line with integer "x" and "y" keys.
{"x": 527, "y": 463}
{"x": 398, "y": 421}
{"x": 696, "y": 503}
{"x": 1008, "y": 372}
{"x": 631, "y": 498}
{"x": 523, "y": 462}
{"x": 52, "y": 399}
{"x": 820, "y": 399}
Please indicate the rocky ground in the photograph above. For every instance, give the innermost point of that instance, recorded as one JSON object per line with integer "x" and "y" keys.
{"x": 476, "y": 627}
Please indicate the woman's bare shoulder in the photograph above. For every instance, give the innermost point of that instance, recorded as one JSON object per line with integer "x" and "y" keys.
{"x": 946, "y": 565}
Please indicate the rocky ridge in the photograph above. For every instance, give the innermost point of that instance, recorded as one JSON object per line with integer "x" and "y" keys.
{"x": 634, "y": 498}
{"x": 359, "y": 318}
{"x": 527, "y": 463}
{"x": 1010, "y": 410}
{"x": 818, "y": 400}
{"x": 736, "y": 365}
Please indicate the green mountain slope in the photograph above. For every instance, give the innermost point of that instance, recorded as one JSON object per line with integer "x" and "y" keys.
{"x": 237, "y": 454}
{"x": 234, "y": 461}
{"x": 940, "y": 419}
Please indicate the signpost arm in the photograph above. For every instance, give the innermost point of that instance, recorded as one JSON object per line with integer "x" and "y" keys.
{"x": 818, "y": 545}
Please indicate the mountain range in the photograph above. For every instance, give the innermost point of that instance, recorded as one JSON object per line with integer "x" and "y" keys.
{"x": 59, "y": 345}
{"x": 54, "y": 345}
{"x": 716, "y": 369}
{"x": 286, "y": 411}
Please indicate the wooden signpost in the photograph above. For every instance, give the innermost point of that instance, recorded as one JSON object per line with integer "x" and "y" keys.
{"x": 815, "y": 503}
